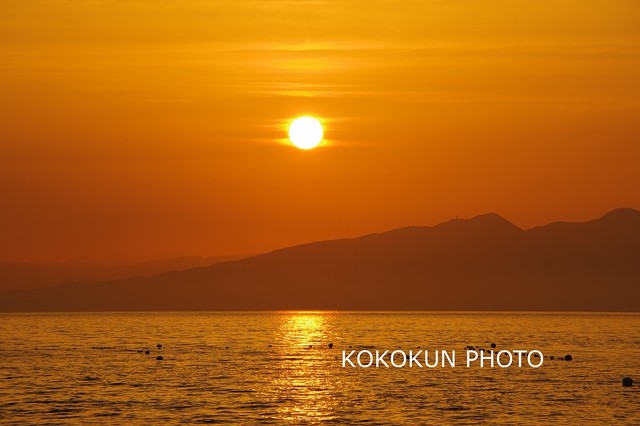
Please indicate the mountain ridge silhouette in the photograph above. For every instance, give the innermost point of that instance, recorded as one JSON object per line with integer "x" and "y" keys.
{"x": 481, "y": 263}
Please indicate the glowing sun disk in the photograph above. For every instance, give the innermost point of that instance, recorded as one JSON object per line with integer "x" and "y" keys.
{"x": 305, "y": 132}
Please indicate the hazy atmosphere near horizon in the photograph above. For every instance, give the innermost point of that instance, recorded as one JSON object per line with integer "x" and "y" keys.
{"x": 335, "y": 212}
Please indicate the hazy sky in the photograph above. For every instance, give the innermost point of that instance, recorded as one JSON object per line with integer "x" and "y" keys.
{"x": 160, "y": 126}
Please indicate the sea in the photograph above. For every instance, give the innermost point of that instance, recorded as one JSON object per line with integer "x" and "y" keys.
{"x": 288, "y": 368}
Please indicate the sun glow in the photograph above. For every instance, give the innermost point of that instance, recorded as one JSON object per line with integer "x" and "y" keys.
{"x": 305, "y": 132}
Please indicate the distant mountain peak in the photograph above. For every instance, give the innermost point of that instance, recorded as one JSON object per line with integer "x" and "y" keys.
{"x": 491, "y": 218}
{"x": 622, "y": 213}
{"x": 486, "y": 220}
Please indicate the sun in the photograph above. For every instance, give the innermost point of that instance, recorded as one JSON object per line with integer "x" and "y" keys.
{"x": 305, "y": 132}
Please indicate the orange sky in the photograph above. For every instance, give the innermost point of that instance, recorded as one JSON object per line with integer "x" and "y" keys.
{"x": 153, "y": 127}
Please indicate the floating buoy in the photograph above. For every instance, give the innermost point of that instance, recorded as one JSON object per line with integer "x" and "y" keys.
{"x": 147, "y": 352}
{"x": 159, "y": 346}
{"x": 568, "y": 357}
{"x": 330, "y": 345}
{"x": 493, "y": 345}
{"x": 627, "y": 382}
{"x": 159, "y": 358}
{"x": 551, "y": 357}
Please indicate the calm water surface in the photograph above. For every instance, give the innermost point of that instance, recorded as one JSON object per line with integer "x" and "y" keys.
{"x": 258, "y": 368}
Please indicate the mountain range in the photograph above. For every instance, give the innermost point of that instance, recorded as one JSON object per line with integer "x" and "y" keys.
{"x": 20, "y": 275}
{"x": 482, "y": 263}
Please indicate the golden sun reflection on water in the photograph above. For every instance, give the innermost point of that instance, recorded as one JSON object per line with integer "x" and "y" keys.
{"x": 303, "y": 329}
{"x": 304, "y": 382}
